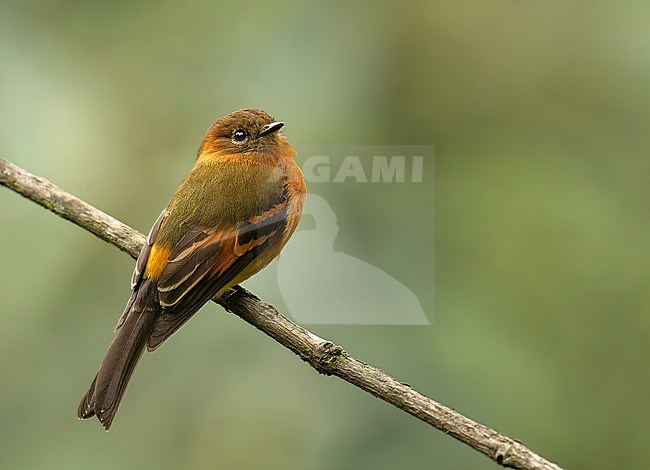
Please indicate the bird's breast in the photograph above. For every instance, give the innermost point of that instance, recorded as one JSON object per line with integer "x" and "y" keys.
{"x": 220, "y": 193}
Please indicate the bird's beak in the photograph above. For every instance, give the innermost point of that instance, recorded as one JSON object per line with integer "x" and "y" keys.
{"x": 271, "y": 128}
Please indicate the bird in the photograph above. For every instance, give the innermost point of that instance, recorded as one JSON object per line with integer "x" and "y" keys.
{"x": 229, "y": 218}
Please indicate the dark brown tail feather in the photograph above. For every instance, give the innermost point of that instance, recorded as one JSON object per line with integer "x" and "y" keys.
{"x": 107, "y": 389}
{"x": 166, "y": 325}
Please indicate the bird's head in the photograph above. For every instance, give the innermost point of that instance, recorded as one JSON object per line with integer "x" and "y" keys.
{"x": 247, "y": 132}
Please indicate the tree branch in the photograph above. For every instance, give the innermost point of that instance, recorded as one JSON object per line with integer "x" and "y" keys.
{"x": 324, "y": 356}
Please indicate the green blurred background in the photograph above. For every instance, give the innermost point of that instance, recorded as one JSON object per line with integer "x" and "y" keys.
{"x": 539, "y": 114}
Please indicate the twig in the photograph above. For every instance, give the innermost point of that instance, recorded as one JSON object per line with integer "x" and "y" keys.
{"x": 324, "y": 356}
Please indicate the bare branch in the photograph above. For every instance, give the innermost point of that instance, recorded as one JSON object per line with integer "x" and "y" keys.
{"x": 324, "y": 356}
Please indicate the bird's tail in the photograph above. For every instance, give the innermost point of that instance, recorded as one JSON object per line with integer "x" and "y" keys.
{"x": 107, "y": 389}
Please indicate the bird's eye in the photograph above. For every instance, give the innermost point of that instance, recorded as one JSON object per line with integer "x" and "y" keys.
{"x": 239, "y": 136}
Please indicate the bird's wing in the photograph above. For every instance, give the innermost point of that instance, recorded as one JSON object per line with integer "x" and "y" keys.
{"x": 140, "y": 264}
{"x": 207, "y": 260}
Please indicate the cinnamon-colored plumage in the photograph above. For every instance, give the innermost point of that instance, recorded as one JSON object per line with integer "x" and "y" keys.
{"x": 228, "y": 219}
